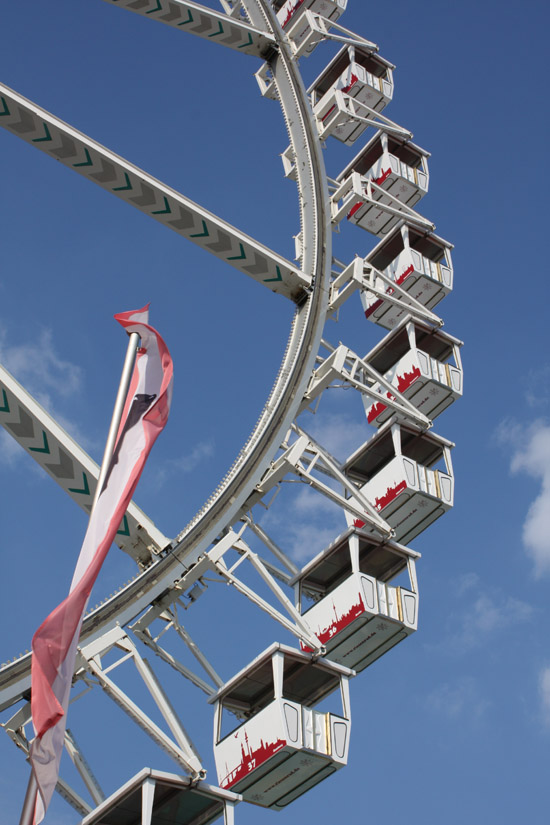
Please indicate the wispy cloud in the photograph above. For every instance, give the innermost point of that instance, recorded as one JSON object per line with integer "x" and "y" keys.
{"x": 531, "y": 455}
{"x": 341, "y": 435}
{"x": 483, "y": 613}
{"x": 305, "y": 523}
{"x": 537, "y": 387}
{"x": 47, "y": 377}
{"x": 10, "y": 450}
{"x": 38, "y": 365}
{"x": 460, "y": 697}
{"x": 544, "y": 695}
{"x": 466, "y": 582}
{"x": 186, "y": 463}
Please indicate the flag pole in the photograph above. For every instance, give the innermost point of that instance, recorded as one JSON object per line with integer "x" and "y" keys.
{"x": 27, "y": 814}
{"x": 125, "y": 379}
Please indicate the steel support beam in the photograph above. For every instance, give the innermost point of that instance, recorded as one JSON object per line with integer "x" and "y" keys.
{"x": 361, "y": 275}
{"x": 98, "y": 164}
{"x": 70, "y": 466}
{"x": 207, "y": 23}
{"x": 190, "y": 765}
{"x": 353, "y": 371}
{"x": 83, "y": 768}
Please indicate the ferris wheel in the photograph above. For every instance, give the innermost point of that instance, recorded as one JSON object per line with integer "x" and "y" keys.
{"x": 356, "y": 598}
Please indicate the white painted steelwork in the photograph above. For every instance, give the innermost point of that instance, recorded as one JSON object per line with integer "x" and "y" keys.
{"x": 418, "y": 263}
{"x": 346, "y": 98}
{"x": 399, "y": 171}
{"x": 422, "y": 363}
{"x": 361, "y": 275}
{"x": 136, "y": 187}
{"x": 397, "y": 473}
{"x": 280, "y": 409}
{"x": 345, "y": 366}
{"x": 204, "y": 22}
{"x": 362, "y": 75}
{"x": 358, "y": 614}
{"x": 291, "y": 15}
{"x": 70, "y": 466}
{"x": 156, "y": 796}
{"x": 285, "y": 746}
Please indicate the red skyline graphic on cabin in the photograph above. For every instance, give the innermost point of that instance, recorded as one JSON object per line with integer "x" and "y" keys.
{"x": 344, "y": 90}
{"x": 391, "y": 493}
{"x": 403, "y": 382}
{"x": 339, "y": 623}
{"x": 383, "y": 501}
{"x": 389, "y": 290}
{"x": 251, "y": 759}
{"x": 379, "y": 181}
{"x": 291, "y": 12}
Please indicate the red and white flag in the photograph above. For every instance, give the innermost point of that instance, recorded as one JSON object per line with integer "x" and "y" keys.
{"x": 54, "y": 643}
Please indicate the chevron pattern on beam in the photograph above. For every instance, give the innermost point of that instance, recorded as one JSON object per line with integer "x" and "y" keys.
{"x": 204, "y": 22}
{"x": 131, "y": 184}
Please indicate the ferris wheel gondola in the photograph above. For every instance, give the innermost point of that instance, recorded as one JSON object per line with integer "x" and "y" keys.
{"x": 389, "y": 490}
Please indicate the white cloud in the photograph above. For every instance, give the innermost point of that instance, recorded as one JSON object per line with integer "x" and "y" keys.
{"x": 39, "y": 365}
{"x": 452, "y": 700}
{"x": 306, "y": 540}
{"x": 468, "y": 581}
{"x": 544, "y": 694}
{"x": 9, "y": 448}
{"x": 537, "y": 384}
{"x": 303, "y": 522}
{"x": 340, "y": 435}
{"x": 42, "y": 373}
{"x": 532, "y": 456}
{"x": 186, "y": 463}
{"x": 308, "y": 501}
{"x": 486, "y": 612}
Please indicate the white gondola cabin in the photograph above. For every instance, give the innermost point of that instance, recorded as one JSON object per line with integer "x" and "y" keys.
{"x": 155, "y": 798}
{"x": 399, "y": 171}
{"x": 292, "y": 19}
{"x": 406, "y": 473}
{"x": 423, "y": 363}
{"x": 360, "y": 74}
{"x": 359, "y": 614}
{"x": 419, "y": 263}
{"x": 284, "y": 747}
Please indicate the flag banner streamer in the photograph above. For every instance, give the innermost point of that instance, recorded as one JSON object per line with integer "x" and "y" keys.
{"x": 55, "y": 642}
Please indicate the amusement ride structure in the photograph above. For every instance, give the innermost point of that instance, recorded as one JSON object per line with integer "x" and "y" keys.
{"x": 354, "y": 600}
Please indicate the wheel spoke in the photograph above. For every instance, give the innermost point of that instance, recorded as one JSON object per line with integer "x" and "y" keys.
{"x": 204, "y": 22}
{"x": 131, "y": 184}
{"x": 69, "y": 465}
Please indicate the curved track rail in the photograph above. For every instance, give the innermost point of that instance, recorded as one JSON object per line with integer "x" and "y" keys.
{"x": 222, "y": 507}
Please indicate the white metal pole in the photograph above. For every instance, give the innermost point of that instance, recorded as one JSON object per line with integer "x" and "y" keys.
{"x": 27, "y": 814}
{"x": 125, "y": 379}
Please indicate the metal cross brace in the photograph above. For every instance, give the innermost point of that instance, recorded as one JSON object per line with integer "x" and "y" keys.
{"x": 70, "y": 466}
{"x": 15, "y": 728}
{"x": 321, "y": 29}
{"x": 182, "y": 749}
{"x": 341, "y": 108}
{"x": 204, "y": 22}
{"x": 81, "y": 764}
{"x": 145, "y": 637}
{"x": 358, "y": 187}
{"x": 361, "y": 275}
{"x": 298, "y": 626}
{"x": 345, "y": 365}
{"x": 300, "y": 458}
{"x": 116, "y": 175}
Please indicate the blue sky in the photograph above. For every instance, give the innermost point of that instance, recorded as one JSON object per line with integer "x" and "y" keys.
{"x": 454, "y": 723}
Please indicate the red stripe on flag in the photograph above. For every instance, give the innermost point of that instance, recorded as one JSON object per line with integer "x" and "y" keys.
{"x": 54, "y": 643}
